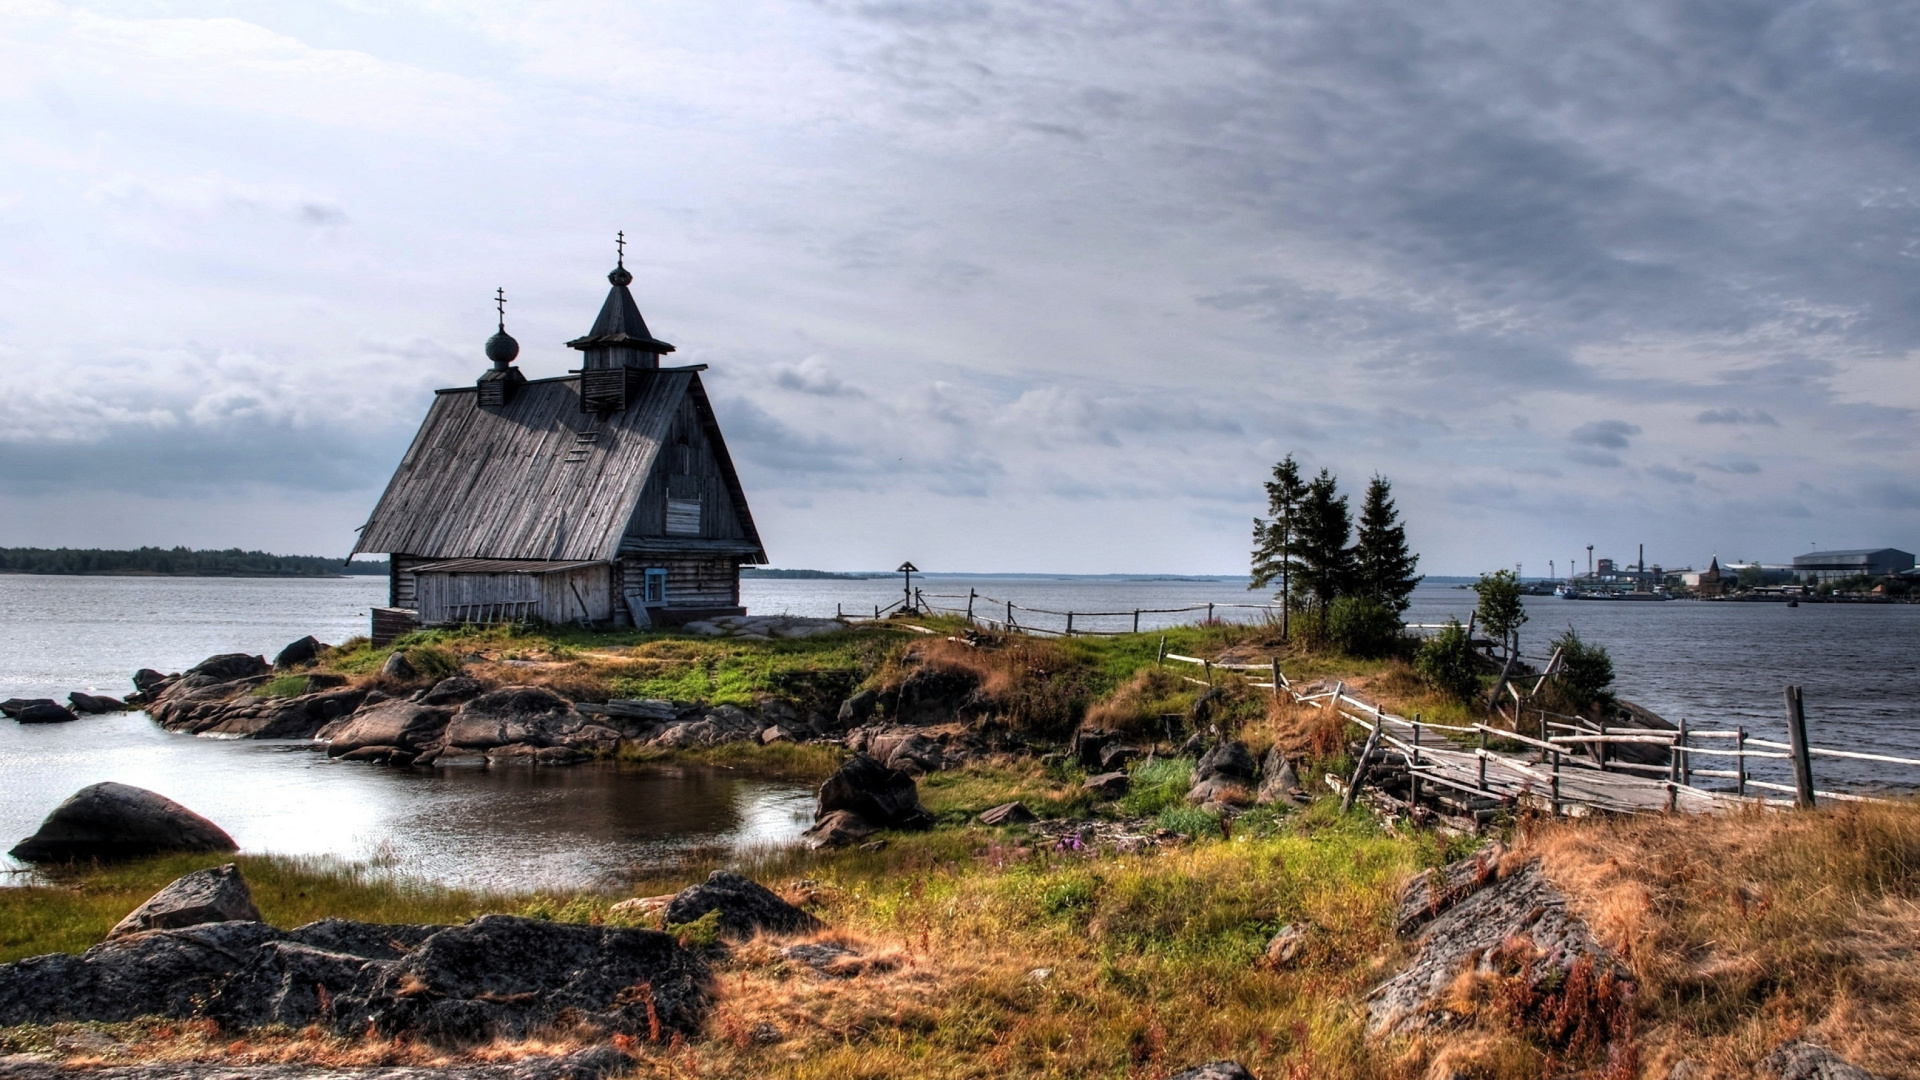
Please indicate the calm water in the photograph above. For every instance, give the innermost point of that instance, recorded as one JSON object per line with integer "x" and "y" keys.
{"x": 1714, "y": 664}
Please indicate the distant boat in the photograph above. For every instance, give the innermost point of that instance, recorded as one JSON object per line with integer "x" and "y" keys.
{"x": 1576, "y": 594}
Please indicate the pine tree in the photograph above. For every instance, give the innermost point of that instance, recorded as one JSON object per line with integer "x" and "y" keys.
{"x": 1273, "y": 538}
{"x": 1325, "y": 566}
{"x": 1382, "y": 565}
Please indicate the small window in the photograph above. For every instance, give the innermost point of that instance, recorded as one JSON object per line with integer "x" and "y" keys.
{"x": 683, "y": 455}
{"x": 683, "y": 517}
{"x": 656, "y": 586}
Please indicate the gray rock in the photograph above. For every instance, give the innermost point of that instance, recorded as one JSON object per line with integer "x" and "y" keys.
{"x": 859, "y": 708}
{"x": 1278, "y": 781}
{"x": 884, "y": 797}
{"x": 1228, "y": 758}
{"x": 399, "y": 667}
{"x": 837, "y": 828}
{"x": 290, "y": 983}
{"x": 12, "y": 707}
{"x": 298, "y": 653}
{"x": 513, "y": 714}
{"x": 44, "y": 712}
{"x": 374, "y": 941}
{"x": 1013, "y": 813}
{"x": 216, "y": 894}
{"x": 1432, "y": 891}
{"x": 1219, "y": 792}
{"x": 95, "y": 703}
{"x": 775, "y": 734}
{"x": 502, "y": 976}
{"x": 1111, "y": 785}
{"x": 935, "y": 696}
{"x": 453, "y": 690}
{"x": 593, "y": 1063}
{"x": 745, "y": 907}
{"x": 1088, "y": 744}
{"x": 155, "y": 973}
{"x": 1214, "y": 1070}
{"x": 1284, "y": 947}
{"x": 915, "y": 755}
{"x": 1801, "y": 1060}
{"x": 401, "y": 724}
{"x": 147, "y": 680}
{"x": 1116, "y": 756}
{"x": 1522, "y": 907}
{"x": 113, "y": 821}
{"x": 228, "y": 667}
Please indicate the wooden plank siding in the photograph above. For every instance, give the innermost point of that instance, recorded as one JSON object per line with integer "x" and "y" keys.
{"x": 692, "y": 581}
{"x": 577, "y": 594}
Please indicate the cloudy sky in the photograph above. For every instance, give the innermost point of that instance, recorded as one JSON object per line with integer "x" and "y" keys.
{"x": 990, "y": 285}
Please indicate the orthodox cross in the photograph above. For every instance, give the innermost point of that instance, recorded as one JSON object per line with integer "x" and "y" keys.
{"x": 620, "y": 242}
{"x": 500, "y": 305}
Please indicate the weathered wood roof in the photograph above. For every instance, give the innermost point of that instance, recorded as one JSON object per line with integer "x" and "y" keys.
{"x": 536, "y": 478}
{"x": 502, "y": 566}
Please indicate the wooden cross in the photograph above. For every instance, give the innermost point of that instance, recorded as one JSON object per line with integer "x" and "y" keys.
{"x": 620, "y": 242}
{"x": 500, "y": 305}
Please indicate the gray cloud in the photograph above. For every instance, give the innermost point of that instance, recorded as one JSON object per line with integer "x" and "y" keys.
{"x": 1612, "y": 434}
{"x": 1737, "y": 416}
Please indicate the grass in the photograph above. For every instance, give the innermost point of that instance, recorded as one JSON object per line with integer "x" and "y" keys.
{"x": 77, "y": 908}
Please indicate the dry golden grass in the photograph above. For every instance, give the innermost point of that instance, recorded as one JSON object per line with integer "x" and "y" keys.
{"x": 1746, "y": 929}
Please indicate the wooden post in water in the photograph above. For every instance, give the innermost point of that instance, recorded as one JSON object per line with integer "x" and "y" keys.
{"x": 1009, "y": 614}
{"x": 1209, "y": 611}
{"x": 1797, "y": 738}
{"x": 1136, "y": 620}
{"x": 1740, "y": 761}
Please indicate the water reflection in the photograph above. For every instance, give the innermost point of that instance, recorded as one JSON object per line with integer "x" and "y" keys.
{"x": 521, "y": 828}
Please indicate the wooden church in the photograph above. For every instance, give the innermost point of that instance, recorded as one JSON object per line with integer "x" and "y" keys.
{"x": 605, "y": 497}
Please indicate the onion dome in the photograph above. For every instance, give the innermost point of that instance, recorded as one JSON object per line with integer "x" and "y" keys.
{"x": 502, "y": 349}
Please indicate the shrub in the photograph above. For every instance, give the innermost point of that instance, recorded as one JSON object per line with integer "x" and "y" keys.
{"x": 1586, "y": 671}
{"x": 1359, "y": 626}
{"x": 433, "y": 662}
{"x": 1158, "y": 785}
{"x": 1446, "y": 662}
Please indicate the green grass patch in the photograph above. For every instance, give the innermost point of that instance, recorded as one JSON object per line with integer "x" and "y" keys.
{"x": 956, "y": 795}
{"x": 77, "y": 909}
{"x": 1160, "y": 784}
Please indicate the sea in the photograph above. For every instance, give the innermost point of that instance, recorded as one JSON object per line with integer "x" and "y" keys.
{"x": 1715, "y": 664}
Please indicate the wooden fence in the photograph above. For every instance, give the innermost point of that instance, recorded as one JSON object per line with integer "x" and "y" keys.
{"x": 996, "y": 614}
{"x": 1566, "y": 773}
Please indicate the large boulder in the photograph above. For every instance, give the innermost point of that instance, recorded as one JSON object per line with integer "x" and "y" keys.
{"x": 502, "y": 976}
{"x": 401, "y": 725}
{"x": 837, "y": 828}
{"x": 1229, "y": 758}
{"x": 399, "y": 667}
{"x": 95, "y": 703}
{"x": 147, "y": 680}
{"x": 881, "y": 796}
{"x": 1278, "y": 781}
{"x": 216, "y": 894}
{"x": 1797, "y": 1059}
{"x": 12, "y": 706}
{"x": 1520, "y": 918}
{"x": 156, "y": 973}
{"x": 299, "y": 653}
{"x": 512, "y": 714}
{"x": 44, "y": 712}
{"x": 271, "y": 718}
{"x": 226, "y": 668}
{"x": 114, "y": 821}
{"x": 498, "y": 976}
{"x": 745, "y": 907}
{"x": 453, "y": 690}
{"x": 935, "y": 695}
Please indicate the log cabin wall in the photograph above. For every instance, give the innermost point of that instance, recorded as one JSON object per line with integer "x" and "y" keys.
{"x": 693, "y": 581}
{"x": 401, "y": 590}
{"x": 570, "y": 595}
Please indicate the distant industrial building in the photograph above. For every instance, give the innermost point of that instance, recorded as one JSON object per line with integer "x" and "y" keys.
{"x": 1833, "y": 565}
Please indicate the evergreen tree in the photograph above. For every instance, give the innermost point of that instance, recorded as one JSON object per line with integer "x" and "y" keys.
{"x": 1273, "y": 538}
{"x": 1382, "y": 565}
{"x": 1324, "y": 525}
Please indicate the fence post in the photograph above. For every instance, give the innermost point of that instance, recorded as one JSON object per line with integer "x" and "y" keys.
{"x": 1209, "y": 667}
{"x": 919, "y": 602}
{"x": 970, "y": 595}
{"x": 1483, "y": 758}
{"x": 1009, "y": 614}
{"x": 1160, "y": 658}
{"x": 837, "y": 613}
{"x": 1802, "y": 760}
{"x": 1740, "y": 761}
{"x": 1686, "y": 759}
{"x": 1413, "y": 774}
{"x": 1360, "y": 770}
{"x": 1556, "y": 783}
{"x": 1276, "y": 678}
{"x": 1209, "y": 611}
{"x": 1600, "y": 749}
{"x": 1069, "y": 624}
{"x": 1136, "y": 620}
